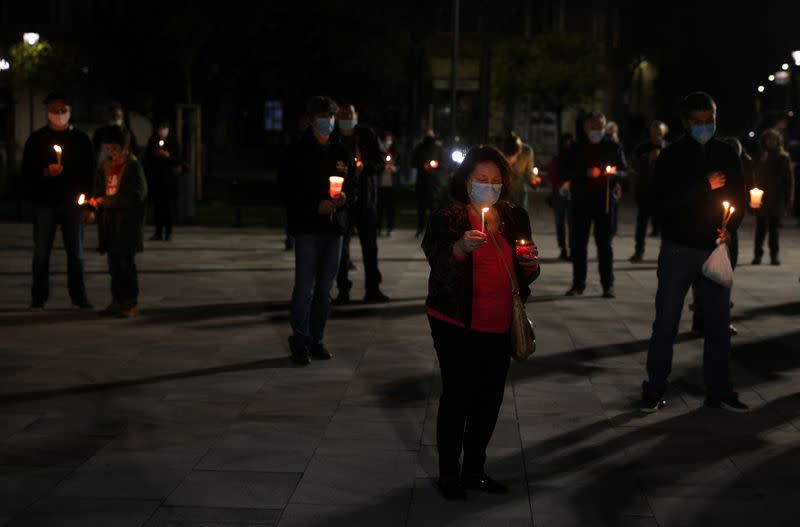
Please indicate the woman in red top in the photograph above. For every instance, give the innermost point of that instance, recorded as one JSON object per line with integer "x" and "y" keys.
{"x": 469, "y": 308}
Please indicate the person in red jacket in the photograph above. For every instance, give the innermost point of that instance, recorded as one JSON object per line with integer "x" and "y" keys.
{"x": 469, "y": 308}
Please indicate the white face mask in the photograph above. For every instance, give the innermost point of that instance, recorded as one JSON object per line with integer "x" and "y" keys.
{"x": 58, "y": 120}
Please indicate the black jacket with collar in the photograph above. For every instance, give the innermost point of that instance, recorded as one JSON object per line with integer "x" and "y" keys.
{"x": 690, "y": 211}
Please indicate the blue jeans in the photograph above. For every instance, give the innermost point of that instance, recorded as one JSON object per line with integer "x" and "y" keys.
{"x": 124, "y": 278}
{"x": 678, "y": 268}
{"x": 316, "y": 265}
{"x": 45, "y": 221}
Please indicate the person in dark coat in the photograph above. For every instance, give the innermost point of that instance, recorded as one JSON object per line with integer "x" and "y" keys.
{"x": 644, "y": 160}
{"x": 161, "y": 163}
{"x": 470, "y": 306}
{"x": 694, "y": 176}
{"x": 116, "y": 120}
{"x": 54, "y": 182}
{"x": 427, "y": 160}
{"x": 773, "y": 175}
{"x": 591, "y": 184}
{"x": 121, "y": 198}
{"x": 316, "y": 222}
{"x": 364, "y": 148}
{"x": 387, "y": 182}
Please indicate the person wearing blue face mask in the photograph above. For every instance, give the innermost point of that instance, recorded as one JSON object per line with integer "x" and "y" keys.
{"x": 316, "y": 222}
{"x": 469, "y": 309}
{"x": 591, "y": 189}
{"x": 692, "y": 178}
{"x": 365, "y": 151}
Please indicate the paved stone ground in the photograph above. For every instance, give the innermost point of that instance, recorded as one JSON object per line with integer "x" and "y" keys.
{"x": 191, "y": 414}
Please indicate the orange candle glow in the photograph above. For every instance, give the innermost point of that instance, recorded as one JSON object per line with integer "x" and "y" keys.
{"x": 336, "y": 183}
{"x": 57, "y": 148}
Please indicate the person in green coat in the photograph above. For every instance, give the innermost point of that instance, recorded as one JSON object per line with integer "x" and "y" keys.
{"x": 121, "y": 191}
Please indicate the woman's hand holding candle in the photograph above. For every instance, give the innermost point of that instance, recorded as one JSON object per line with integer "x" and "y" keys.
{"x": 54, "y": 170}
{"x": 527, "y": 254}
{"x": 469, "y": 242}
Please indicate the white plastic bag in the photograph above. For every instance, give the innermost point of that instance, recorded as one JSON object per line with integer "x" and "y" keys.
{"x": 718, "y": 268}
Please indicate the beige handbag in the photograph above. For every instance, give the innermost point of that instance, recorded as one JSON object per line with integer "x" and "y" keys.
{"x": 523, "y": 337}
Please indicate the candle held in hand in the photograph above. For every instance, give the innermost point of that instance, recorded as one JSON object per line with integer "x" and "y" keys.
{"x": 336, "y": 183}
{"x": 434, "y": 164}
{"x": 523, "y": 247}
{"x": 756, "y": 194}
{"x": 57, "y": 149}
{"x": 161, "y": 143}
{"x": 483, "y": 218}
{"x": 81, "y": 199}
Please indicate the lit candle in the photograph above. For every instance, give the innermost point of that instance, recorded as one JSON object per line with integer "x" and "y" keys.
{"x": 58, "y": 154}
{"x": 610, "y": 171}
{"x": 81, "y": 199}
{"x": 484, "y": 210}
{"x": 725, "y": 207}
{"x": 522, "y": 247}
{"x": 336, "y": 183}
{"x": 388, "y": 158}
{"x": 434, "y": 163}
{"x": 161, "y": 143}
{"x": 755, "y": 198}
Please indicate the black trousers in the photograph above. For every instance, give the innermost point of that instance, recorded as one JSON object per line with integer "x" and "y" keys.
{"x": 124, "y": 278}
{"x": 764, "y": 224}
{"x": 163, "y": 193}
{"x": 644, "y": 215}
{"x": 366, "y": 222}
{"x": 386, "y": 208}
{"x": 583, "y": 218}
{"x": 474, "y": 367}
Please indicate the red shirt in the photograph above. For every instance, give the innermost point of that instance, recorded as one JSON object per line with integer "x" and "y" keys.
{"x": 492, "y": 303}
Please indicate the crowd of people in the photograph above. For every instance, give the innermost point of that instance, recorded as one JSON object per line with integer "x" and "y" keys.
{"x": 73, "y": 182}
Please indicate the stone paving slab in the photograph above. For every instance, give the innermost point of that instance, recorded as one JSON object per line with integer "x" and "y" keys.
{"x": 192, "y": 415}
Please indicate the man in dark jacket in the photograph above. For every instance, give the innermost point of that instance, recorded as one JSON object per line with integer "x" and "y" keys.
{"x": 363, "y": 146}
{"x": 644, "y": 161}
{"x": 316, "y": 222}
{"x": 161, "y": 161}
{"x": 427, "y": 160}
{"x": 54, "y": 182}
{"x": 590, "y": 166}
{"x": 693, "y": 177}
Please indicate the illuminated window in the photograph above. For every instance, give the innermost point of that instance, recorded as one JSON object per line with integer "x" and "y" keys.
{"x": 273, "y": 116}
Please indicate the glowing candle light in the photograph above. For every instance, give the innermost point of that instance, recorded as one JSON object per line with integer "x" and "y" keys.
{"x": 161, "y": 143}
{"x": 755, "y": 198}
{"x": 57, "y": 148}
{"x": 81, "y": 199}
{"x": 336, "y": 183}
{"x": 434, "y": 164}
{"x": 484, "y": 210}
{"x": 725, "y": 207}
{"x": 388, "y": 158}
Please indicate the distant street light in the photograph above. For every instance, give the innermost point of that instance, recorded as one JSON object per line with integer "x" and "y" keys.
{"x": 30, "y": 39}
{"x": 796, "y": 57}
{"x": 761, "y": 89}
{"x": 4, "y": 65}
{"x": 784, "y": 66}
{"x": 772, "y": 78}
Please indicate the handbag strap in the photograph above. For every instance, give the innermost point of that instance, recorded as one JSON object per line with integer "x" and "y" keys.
{"x": 511, "y": 276}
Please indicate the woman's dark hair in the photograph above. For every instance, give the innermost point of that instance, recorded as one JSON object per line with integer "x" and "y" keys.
{"x": 115, "y": 135}
{"x": 321, "y": 104}
{"x": 766, "y": 134}
{"x": 698, "y": 101}
{"x": 475, "y": 156}
{"x": 509, "y": 144}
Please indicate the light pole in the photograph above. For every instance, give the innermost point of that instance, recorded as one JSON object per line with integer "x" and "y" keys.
{"x": 454, "y": 69}
{"x": 30, "y": 39}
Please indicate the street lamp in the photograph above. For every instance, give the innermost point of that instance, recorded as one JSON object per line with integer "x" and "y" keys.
{"x": 772, "y": 78}
{"x": 784, "y": 66}
{"x": 4, "y": 65}
{"x": 30, "y": 39}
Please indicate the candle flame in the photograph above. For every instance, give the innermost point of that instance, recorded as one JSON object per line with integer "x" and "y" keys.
{"x": 388, "y": 158}
{"x": 732, "y": 209}
{"x": 161, "y": 143}
{"x": 434, "y": 163}
{"x": 81, "y": 199}
{"x": 535, "y": 171}
{"x": 726, "y": 205}
{"x": 485, "y": 209}
{"x": 57, "y": 149}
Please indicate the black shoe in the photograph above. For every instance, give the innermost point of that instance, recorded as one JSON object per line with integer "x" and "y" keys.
{"x": 652, "y": 402}
{"x": 342, "y": 299}
{"x": 731, "y": 403}
{"x": 376, "y": 296}
{"x": 484, "y": 483}
{"x": 168, "y": 237}
{"x": 288, "y": 244}
{"x": 83, "y": 306}
{"x": 733, "y": 330}
{"x": 775, "y": 260}
{"x": 655, "y": 234}
{"x": 756, "y": 260}
{"x": 156, "y": 237}
{"x": 637, "y": 257}
{"x": 320, "y": 352}
{"x": 351, "y": 266}
{"x": 451, "y": 489}
{"x": 564, "y": 257}
{"x": 36, "y": 307}
{"x": 609, "y": 293}
{"x": 575, "y": 291}
{"x": 299, "y": 353}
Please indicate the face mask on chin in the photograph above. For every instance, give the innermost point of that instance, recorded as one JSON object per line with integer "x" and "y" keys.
{"x": 58, "y": 120}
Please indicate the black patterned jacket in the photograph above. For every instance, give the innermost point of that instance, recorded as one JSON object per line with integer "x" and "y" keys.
{"x": 450, "y": 281}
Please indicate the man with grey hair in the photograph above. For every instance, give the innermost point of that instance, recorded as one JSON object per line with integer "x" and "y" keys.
{"x": 590, "y": 168}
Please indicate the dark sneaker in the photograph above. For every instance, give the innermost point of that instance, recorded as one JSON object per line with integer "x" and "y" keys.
{"x": 351, "y": 266}
{"x": 775, "y": 261}
{"x": 484, "y": 483}
{"x": 575, "y": 291}
{"x": 652, "y": 402}
{"x": 731, "y": 403}
{"x": 156, "y": 237}
{"x": 376, "y": 296}
{"x": 609, "y": 293}
{"x": 36, "y": 307}
{"x": 756, "y": 261}
{"x": 637, "y": 257}
{"x": 563, "y": 256}
{"x": 320, "y": 352}
{"x": 168, "y": 237}
{"x": 83, "y": 306}
{"x": 451, "y": 489}
{"x": 342, "y": 299}
{"x": 299, "y": 353}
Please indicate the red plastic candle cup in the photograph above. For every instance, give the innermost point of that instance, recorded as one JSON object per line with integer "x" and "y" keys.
{"x": 336, "y": 183}
{"x": 523, "y": 247}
